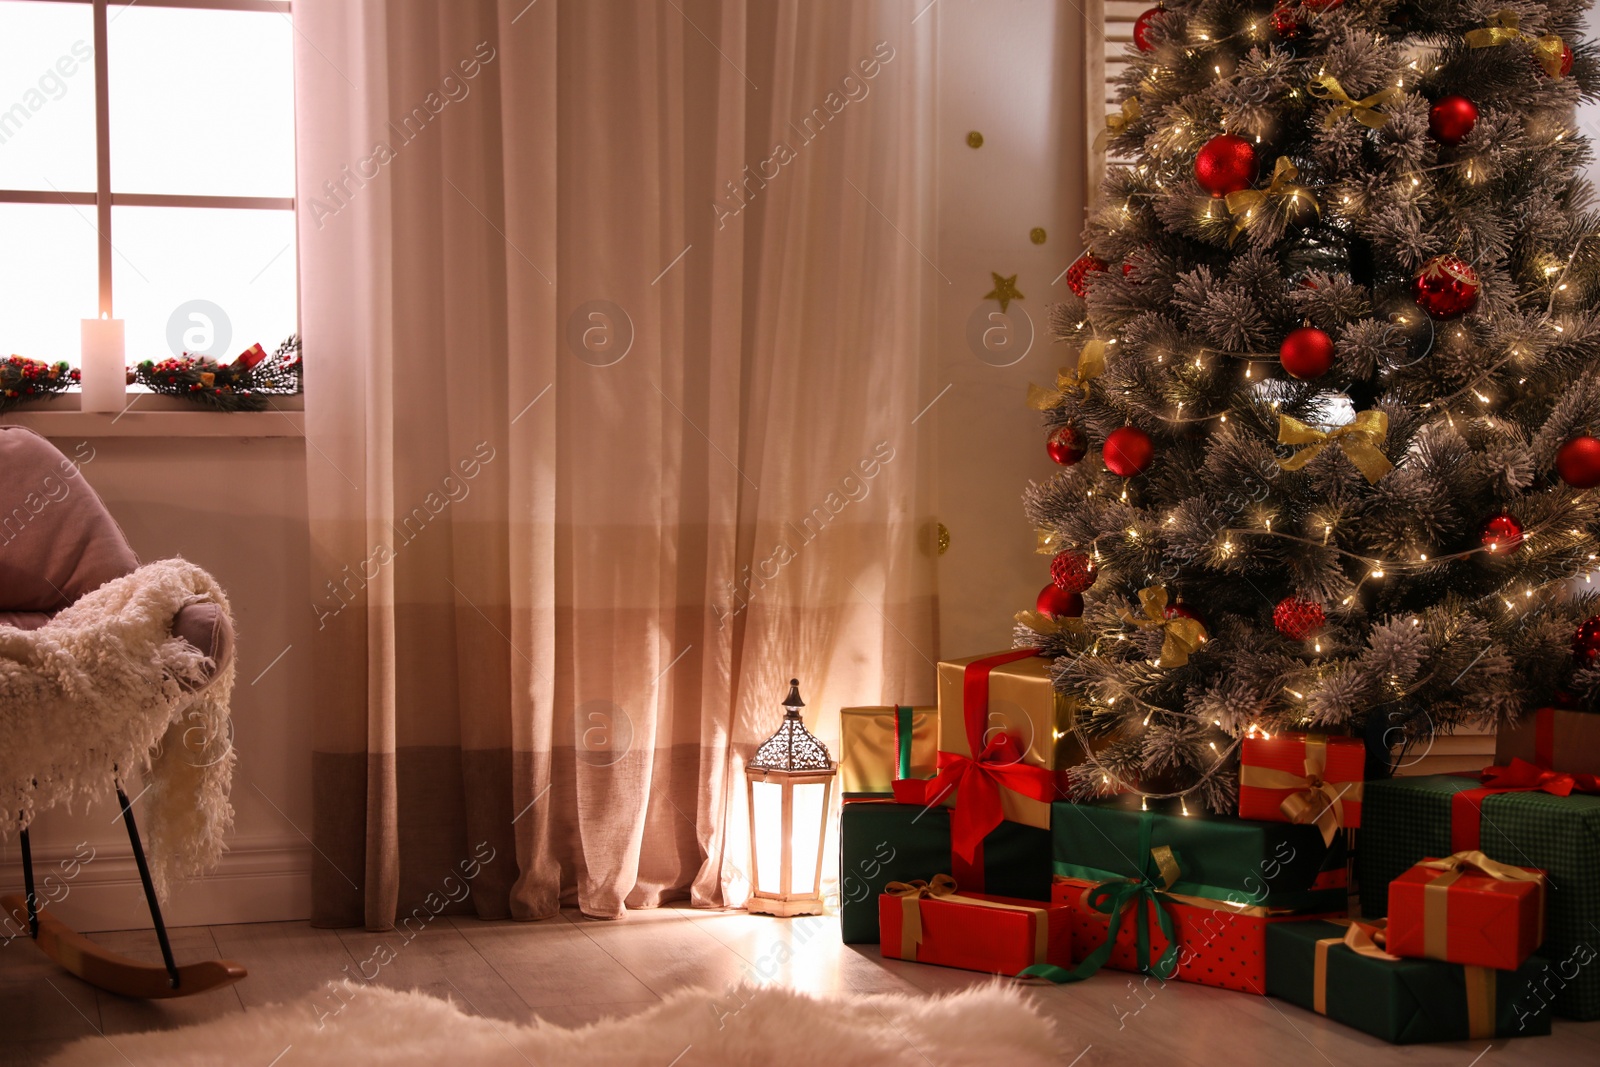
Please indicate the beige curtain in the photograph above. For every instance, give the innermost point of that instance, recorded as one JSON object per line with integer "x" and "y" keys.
{"x": 615, "y": 318}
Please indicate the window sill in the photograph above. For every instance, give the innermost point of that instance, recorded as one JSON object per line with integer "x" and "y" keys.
{"x": 151, "y": 415}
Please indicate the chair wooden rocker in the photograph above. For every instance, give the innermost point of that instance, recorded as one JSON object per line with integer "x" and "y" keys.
{"x": 57, "y": 543}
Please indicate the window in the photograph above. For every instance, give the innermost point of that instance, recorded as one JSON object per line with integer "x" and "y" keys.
{"x": 146, "y": 171}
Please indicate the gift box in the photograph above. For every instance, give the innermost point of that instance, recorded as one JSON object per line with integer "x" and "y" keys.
{"x": 1558, "y": 738}
{"x": 881, "y": 843}
{"x": 933, "y": 923}
{"x": 1302, "y": 778}
{"x": 1409, "y": 819}
{"x": 1467, "y": 909}
{"x": 880, "y": 744}
{"x": 1314, "y": 965}
{"x": 1239, "y": 861}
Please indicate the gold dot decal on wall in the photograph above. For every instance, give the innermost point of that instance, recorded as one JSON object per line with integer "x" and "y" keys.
{"x": 944, "y": 538}
{"x": 974, "y": 139}
{"x": 1037, "y": 235}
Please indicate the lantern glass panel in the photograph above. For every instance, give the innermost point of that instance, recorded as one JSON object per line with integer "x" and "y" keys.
{"x": 810, "y": 800}
{"x": 766, "y": 820}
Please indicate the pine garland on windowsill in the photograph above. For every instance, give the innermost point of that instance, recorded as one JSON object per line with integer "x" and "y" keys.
{"x": 242, "y": 385}
{"x": 23, "y": 379}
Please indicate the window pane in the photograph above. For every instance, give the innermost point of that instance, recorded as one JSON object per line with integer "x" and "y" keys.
{"x": 210, "y": 281}
{"x": 46, "y": 96}
{"x": 47, "y": 279}
{"x": 202, "y": 102}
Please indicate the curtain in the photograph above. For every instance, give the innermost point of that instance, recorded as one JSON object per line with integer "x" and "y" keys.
{"x": 615, "y": 316}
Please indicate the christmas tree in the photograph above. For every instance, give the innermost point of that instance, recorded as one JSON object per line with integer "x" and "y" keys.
{"x": 1326, "y": 449}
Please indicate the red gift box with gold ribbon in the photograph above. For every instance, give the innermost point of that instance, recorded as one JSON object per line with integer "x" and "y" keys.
{"x": 931, "y": 922}
{"x": 1467, "y": 908}
{"x": 1302, "y": 778}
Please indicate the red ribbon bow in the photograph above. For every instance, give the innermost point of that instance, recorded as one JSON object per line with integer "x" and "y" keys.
{"x": 1466, "y": 807}
{"x": 977, "y": 783}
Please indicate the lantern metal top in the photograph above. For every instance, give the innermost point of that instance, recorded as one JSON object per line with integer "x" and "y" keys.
{"x": 792, "y": 747}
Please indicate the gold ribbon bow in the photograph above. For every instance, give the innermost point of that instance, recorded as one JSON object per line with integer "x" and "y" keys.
{"x": 1436, "y": 894}
{"x": 1091, "y": 364}
{"x": 1505, "y": 27}
{"x": 1247, "y": 205}
{"x": 1117, "y": 122}
{"x": 1365, "y": 110}
{"x": 943, "y": 887}
{"x": 1361, "y": 440}
{"x": 1315, "y": 801}
{"x": 1182, "y": 635}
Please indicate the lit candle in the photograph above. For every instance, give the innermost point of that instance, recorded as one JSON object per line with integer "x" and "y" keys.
{"x": 104, "y": 365}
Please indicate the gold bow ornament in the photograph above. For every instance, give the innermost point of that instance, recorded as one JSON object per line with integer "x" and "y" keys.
{"x": 1315, "y": 800}
{"x": 1361, "y": 439}
{"x": 1364, "y": 111}
{"x": 1293, "y": 202}
{"x": 943, "y": 888}
{"x": 1436, "y": 894}
{"x": 1118, "y": 122}
{"x": 1506, "y": 27}
{"x": 1091, "y": 364}
{"x": 1181, "y": 635}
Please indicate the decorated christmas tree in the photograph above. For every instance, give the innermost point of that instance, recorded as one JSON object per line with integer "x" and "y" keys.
{"x": 1327, "y": 453}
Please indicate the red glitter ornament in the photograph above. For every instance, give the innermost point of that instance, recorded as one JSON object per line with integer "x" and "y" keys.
{"x": 1225, "y": 165}
{"x": 1056, "y": 603}
{"x": 1298, "y": 619}
{"x": 1586, "y": 642}
{"x": 1141, "y": 30}
{"x": 1502, "y": 534}
{"x": 1072, "y": 573}
{"x": 1066, "y": 445}
{"x": 1447, "y": 286}
{"x": 1578, "y": 462}
{"x": 1451, "y": 118}
{"x": 1127, "y": 451}
{"x": 1286, "y": 20}
{"x": 1078, "y": 273}
{"x": 1306, "y": 353}
{"x": 1320, "y": 5}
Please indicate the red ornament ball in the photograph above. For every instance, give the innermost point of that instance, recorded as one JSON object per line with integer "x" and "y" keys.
{"x": 1578, "y": 462}
{"x": 1502, "y": 534}
{"x": 1451, "y": 118}
{"x": 1306, "y": 353}
{"x": 1078, "y": 273}
{"x": 1320, "y": 5}
{"x": 1286, "y": 20}
{"x": 1183, "y": 611}
{"x": 1298, "y": 619}
{"x": 1447, "y": 286}
{"x": 1225, "y": 165}
{"x": 1127, "y": 451}
{"x": 1586, "y": 642}
{"x": 1566, "y": 62}
{"x": 1066, "y": 445}
{"x": 1056, "y": 603}
{"x": 1141, "y": 30}
{"x": 1072, "y": 573}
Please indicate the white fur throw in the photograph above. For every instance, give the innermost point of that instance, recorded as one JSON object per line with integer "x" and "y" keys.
{"x": 104, "y": 689}
{"x": 774, "y": 1027}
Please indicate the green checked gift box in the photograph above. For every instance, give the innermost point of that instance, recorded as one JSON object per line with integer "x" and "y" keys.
{"x": 881, "y": 843}
{"x": 1405, "y": 820}
{"x": 1242, "y": 861}
{"x": 1314, "y": 965}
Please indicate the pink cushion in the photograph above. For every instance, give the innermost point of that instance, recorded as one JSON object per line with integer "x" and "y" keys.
{"x": 205, "y": 627}
{"x": 24, "y": 620}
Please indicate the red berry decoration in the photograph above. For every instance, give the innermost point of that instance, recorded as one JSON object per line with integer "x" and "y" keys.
{"x": 1451, "y": 118}
{"x": 1072, "y": 573}
{"x": 1067, "y": 445}
{"x": 1306, "y": 353}
{"x": 1225, "y": 165}
{"x": 1578, "y": 462}
{"x": 1056, "y": 603}
{"x": 1078, "y": 273}
{"x": 1127, "y": 451}
{"x": 1286, "y": 20}
{"x": 1298, "y": 619}
{"x": 1502, "y": 534}
{"x": 1446, "y": 287}
{"x": 1586, "y": 642}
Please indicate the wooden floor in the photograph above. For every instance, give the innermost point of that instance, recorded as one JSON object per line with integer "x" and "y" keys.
{"x": 572, "y": 970}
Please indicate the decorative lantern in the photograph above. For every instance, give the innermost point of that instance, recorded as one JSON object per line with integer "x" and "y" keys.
{"x": 791, "y": 785}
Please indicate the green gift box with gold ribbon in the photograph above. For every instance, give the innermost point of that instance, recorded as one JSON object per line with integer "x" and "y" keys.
{"x": 880, "y": 744}
{"x": 1331, "y": 969}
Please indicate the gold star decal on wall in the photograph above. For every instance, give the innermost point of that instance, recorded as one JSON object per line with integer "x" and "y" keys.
{"x": 1005, "y": 290}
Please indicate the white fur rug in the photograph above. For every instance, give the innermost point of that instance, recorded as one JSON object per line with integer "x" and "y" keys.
{"x": 775, "y": 1027}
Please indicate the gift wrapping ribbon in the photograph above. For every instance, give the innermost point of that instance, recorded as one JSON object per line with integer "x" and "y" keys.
{"x": 1436, "y": 894}
{"x": 943, "y": 887}
{"x": 1118, "y": 122}
{"x": 1250, "y": 202}
{"x": 1365, "y": 110}
{"x": 1361, "y": 440}
{"x": 1181, "y": 634}
{"x": 1091, "y": 364}
{"x": 977, "y": 780}
{"x": 1506, "y": 27}
{"x": 1363, "y": 939}
{"x": 902, "y": 737}
{"x": 1466, "y": 807}
{"x": 1316, "y": 800}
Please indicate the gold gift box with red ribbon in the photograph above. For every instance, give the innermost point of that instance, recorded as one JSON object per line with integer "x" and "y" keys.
{"x": 1302, "y": 778}
{"x": 1469, "y": 909}
{"x": 931, "y": 922}
{"x": 878, "y": 745}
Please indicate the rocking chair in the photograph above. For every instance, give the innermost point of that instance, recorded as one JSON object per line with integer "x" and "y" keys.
{"x": 57, "y": 543}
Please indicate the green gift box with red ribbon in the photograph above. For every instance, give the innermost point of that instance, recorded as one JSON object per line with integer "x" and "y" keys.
{"x": 1519, "y": 814}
